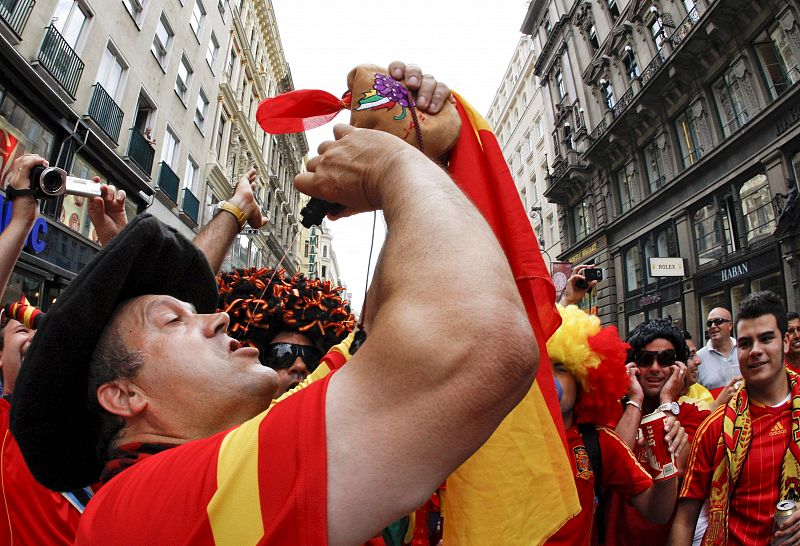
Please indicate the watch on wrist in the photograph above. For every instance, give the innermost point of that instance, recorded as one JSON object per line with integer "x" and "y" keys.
{"x": 671, "y": 407}
{"x": 238, "y": 213}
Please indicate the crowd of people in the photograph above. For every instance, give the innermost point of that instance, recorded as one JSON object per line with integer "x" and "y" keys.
{"x": 161, "y": 401}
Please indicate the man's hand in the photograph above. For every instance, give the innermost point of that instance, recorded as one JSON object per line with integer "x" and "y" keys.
{"x": 676, "y": 381}
{"x": 678, "y": 442}
{"x": 574, "y": 294}
{"x": 107, "y": 212}
{"x": 727, "y": 392}
{"x": 24, "y": 205}
{"x": 430, "y": 94}
{"x": 356, "y": 169}
{"x": 244, "y": 198}
{"x": 635, "y": 392}
{"x": 789, "y": 531}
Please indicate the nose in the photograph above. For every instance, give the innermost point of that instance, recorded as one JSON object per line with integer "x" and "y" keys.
{"x": 299, "y": 367}
{"x": 216, "y": 323}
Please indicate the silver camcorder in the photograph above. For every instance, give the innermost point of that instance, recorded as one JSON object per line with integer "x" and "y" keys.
{"x": 50, "y": 182}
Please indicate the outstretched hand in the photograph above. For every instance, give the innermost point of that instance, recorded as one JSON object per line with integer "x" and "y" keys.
{"x": 244, "y": 198}
{"x": 107, "y": 212}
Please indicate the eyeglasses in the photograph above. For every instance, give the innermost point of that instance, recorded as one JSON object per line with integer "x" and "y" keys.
{"x": 664, "y": 358}
{"x": 716, "y": 322}
{"x": 282, "y": 355}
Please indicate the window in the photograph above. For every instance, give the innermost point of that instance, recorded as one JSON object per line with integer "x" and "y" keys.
{"x": 653, "y": 166}
{"x": 608, "y": 93}
{"x": 231, "y": 64}
{"x": 550, "y": 223}
{"x": 523, "y": 195}
{"x": 192, "y": 171}
{"x": 324, "y": 272}
{"x": 69, "y": 20}
{"x": 211, "y": 202}
{"x": 613, "y": 9}
{"x": 548, "y": 28}
{"x": 633, "y": 268}
{"x": 712, "y": 233}
{"x": 688, "y": 137}
{"x": 560, "y": 85}
{"x": 626, "y": 187}
{"x": 212, "y": 51}
{"x": 220, "y": 134}
{"x": 568, "y": 144}
{"x": 324, "y": 251}
{"x": 631, "y": 66}
{"x": 201, "y": 109}
{"x": 593, "y": 41}
{"x": 655, "y": 246}
{"x": 198, "y": 14}
{"x": 40, "y": 140}
{"x": 112, "y": 68}
{"x": 582, "y": 218}
{"x": 730, "y": 102}
{"x": 305, "y": 249}
{"x": 759, "y": 216}
{"x": 184, "y": 79}
{"x": 162, "y": 40}
{"x": 657, "y": 32}
{"x": 169, "y": 152}
{"x": 540, "y": 128}
{"x": 135, "y": 8}
{"x": 778, "y": 62}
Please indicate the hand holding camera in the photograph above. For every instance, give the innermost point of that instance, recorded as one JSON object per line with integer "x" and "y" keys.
{"x": 582, "y": 280}
{"x": 33, "y": 176}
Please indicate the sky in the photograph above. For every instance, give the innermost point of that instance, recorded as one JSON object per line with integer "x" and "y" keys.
{"x": 466, "y": 44}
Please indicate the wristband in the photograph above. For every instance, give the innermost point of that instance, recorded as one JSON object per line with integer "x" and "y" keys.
{"x": 12, "y": 192}
{"x": 238, "y": 213}
{"x": 634, "y": 404}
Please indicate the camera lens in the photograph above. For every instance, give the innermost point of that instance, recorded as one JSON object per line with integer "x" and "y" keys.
{"x": 51, "y": 182}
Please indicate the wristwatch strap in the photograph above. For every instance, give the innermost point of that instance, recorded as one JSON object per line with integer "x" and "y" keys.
{"x": 238, "y": 213}
{"x": 12, "y": 192}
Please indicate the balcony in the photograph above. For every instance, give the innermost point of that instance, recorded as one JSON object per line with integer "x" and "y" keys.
{"x": 105, "y": 112}
{"x": 190, "y": 206}
{"x": 15, "y": 14}
{"x": 652, "y": 68}
{"x": 140, "y": 151}
{"x": 60, "y": 60}
{"x": 168, "y": 182}
{"x": 686, "y": 25}
{"x": 568, "y": 178}
{"x": 623, "y": 103}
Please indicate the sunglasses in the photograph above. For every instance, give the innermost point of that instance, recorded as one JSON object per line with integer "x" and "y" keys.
{"x": 716, "y": 322}
{"x": 282, "y": 355}
{"x": 664, "y": 358}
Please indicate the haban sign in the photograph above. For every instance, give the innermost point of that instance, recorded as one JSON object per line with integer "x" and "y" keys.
{"x": 734, "y": 271}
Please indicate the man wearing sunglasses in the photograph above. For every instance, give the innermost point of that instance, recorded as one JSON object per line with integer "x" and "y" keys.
{"x": 793, "y": 342}
{"x": 657, "y": 371}
{"x": 718, "y": 357}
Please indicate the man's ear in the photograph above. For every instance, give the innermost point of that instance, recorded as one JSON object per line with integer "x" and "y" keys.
{"x": 121, "y": 398}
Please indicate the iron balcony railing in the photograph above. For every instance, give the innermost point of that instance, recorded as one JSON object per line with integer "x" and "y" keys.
{"x": 652, "y": 68}
{"x": 60, "y": 60}
{"x": 686, "y": 25}
{"x": 601, "y": 127}
{"x": 15, "y": 14}
{"x": 190, "y": 205}
{"x": 168, "y": 181}
{"x": 105, "y": 112}
{"x": 140, "y": 151}
{"x": 623, "y": 103}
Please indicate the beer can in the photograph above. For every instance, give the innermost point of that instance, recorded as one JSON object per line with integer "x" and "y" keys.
{"x": 783, "y": 510}
{"x": 656, "y": 451}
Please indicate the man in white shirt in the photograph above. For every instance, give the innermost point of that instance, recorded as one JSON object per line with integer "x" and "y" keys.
{"x": 718, "y": 357}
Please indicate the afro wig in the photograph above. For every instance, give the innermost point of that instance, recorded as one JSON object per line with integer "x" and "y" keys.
{"x": 596, "y": 357}
{"x": 658, "y": 329}
{"x": 263, "y": 303}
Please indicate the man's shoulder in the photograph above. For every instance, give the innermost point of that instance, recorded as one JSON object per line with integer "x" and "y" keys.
{"x": 712, "y": 424}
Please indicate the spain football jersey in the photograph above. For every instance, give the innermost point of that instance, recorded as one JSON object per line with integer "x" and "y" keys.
{"x": 621, "y": 473}
{"x": 752, "y": 504}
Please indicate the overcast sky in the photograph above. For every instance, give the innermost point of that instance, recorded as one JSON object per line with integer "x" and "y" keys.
{"x": 466, "y": 44}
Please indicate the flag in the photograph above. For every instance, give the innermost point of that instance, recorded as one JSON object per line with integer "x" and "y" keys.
{"x": 518, "y": 488}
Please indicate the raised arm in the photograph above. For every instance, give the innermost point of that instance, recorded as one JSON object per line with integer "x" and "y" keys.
{"x": 12, "y": 239}
{"x": 449, "y": 350}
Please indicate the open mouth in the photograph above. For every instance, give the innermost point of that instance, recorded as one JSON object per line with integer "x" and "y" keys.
{"x": 234, "y": 345}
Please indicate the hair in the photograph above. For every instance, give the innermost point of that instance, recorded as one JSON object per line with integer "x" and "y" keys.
{"x": 595, "y": 356}
{"x": 687, "y": 336}
{"x": 763, "y": 303}
{"x": 658, "y": 329}
{"x": 791, "y": 315}
{"x": 111, "y": 360}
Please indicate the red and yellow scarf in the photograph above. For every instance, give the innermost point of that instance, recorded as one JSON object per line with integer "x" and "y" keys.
{"x": 734, "y": 443}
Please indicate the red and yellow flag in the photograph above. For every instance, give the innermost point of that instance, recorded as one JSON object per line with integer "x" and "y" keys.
{"x": 518, "y": 489}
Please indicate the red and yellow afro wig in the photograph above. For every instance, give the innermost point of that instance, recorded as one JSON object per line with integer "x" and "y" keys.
{"x": 263, "y": 303}
{"x": 596, "y": 357}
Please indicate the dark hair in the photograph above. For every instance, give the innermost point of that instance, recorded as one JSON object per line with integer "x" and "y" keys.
{"x": 657, "y": 329}
{"x": 111, "y": 360}
{"x": 686, "y": 335}
{"x": 763, "y": 303}
{"x": 791, "y": 315}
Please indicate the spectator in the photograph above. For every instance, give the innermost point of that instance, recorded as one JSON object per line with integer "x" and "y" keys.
{"x": 793, "y": 342}
{"x": 718, "y": 357}
{"x": 743, "y": 458}
{"x": 692, "y": 389}
{"x": 589, "y": 362}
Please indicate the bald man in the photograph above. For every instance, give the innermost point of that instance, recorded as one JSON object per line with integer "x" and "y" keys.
{"x": 718, "y": 357}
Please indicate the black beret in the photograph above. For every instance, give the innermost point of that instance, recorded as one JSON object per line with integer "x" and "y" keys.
{"x": 50, "y": 413}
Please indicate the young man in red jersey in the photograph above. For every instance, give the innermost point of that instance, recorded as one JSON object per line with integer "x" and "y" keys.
{"x": 745, "y": 456}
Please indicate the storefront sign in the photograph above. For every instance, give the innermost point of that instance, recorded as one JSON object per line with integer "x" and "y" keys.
{"x": 588, "y": 250}
{"x": 734, "y": 271}
{"x": 35, "y": 241}
{"x": 666, "y": 267}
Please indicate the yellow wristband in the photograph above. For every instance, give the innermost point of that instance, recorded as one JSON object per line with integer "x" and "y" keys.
{"x": 238, "y": 213}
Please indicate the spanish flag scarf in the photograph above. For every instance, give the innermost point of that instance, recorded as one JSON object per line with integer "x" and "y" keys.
{"x": 734, "y": 443}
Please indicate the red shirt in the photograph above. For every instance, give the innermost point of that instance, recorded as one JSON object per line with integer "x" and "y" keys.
{"x": 621, "y": 473}
{"x": 263, "y": 482}
{"x": 753, "y": 502}
{"x": 30, "y": 514}
{"x": 627, "y": 527}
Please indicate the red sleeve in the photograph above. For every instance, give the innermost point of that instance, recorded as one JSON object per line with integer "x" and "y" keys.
{"x": 621, "y": 472}
{"x": 700, "y": 466}
{"x": 691, "y": 417}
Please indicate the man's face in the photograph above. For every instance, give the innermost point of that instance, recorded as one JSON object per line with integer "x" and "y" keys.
{"x": 793, "y": 339}
{"x": 654, "y": 377}
{"x": 569, "y": 388}
{"x": 692, "y": 363}
{"x": 288, "y": 378}
{"x": 719, "y": 325}
{"x": 194, "y": 376}
{"x": 16, "y": 340}
{"x": 760, "y": 349}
